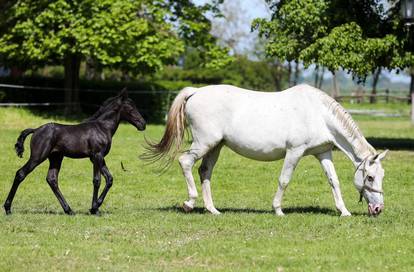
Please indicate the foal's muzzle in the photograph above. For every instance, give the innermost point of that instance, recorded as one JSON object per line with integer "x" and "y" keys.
{"x": 141, "y": 125}
{"x": 375, "y": 209}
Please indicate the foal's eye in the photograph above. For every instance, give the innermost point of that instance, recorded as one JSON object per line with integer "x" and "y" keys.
{"x": 370, "y": 178}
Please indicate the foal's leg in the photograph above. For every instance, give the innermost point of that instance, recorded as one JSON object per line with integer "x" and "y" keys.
{"x": 40, "y": 146}
{"x": 328, "y": 166}
{"x": 97, "y": 161}
{"x": 291, "y": 160}
{"x": 52, "y": 180}
{"x": 187, "y": 161}
{"x": 21, "y": 174}
{"x": 108, "y": 178}
{"x": 205, "y": 171}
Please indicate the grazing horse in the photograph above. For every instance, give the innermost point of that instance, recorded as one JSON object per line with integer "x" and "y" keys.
{"x": 262, "y": 126}
{"x": 89, "y": 139}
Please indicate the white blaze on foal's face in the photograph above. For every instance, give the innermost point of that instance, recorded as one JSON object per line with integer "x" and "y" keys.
{"x": 368, "y": 181}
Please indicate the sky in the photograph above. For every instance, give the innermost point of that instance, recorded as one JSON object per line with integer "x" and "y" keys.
{"x": 258, "y": 9}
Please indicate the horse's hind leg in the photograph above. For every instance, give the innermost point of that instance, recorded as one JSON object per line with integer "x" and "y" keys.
{"x": 187, "y": 161}
{"x": 205, "y": 170}
{"x": 108, "y": 178}
{"x": 52, "y": 180}
{"x": 328, "y": 166}
{"x": 21, "y": 174}
{"x": 291, "y": 160}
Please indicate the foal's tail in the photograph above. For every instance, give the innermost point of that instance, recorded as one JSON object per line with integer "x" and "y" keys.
{"x": 171, "y": 141}
{"x": 19, "y": 146}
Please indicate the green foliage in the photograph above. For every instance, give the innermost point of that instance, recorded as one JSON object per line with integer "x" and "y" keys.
{"x": 293, "y": 27}
{"x": 142, "y": 227}
{"x": 358, "y": 36}
{"x": 139, "y": 36}
{"x": 345, "y": 47}
{"x": 242, "y": 72}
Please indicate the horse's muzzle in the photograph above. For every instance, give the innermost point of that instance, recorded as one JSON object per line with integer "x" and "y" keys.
{"x": 141, "y": 126}
{"x": 375, "y": 209}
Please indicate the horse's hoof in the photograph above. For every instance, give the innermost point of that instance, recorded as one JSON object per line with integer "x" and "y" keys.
{"x": 8, "y": 212}
{"x": 95, "y": 212}
{"x": 279, "y": 213}
{"x": 187, "y": 207}
{"x": 70, "y": 212}
{"x": 214, "y": 211}
{"x": 346, "y": 213}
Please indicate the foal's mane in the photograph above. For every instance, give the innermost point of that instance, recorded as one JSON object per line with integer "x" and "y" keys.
{"x": 348, "y": 125}
{"x": 105, "y": 107}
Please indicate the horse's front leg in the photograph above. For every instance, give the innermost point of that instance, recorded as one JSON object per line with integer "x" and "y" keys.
{"x": 97, "y": 161}
{"x": 328, "y": 166}
{"x": 291, "y": 160}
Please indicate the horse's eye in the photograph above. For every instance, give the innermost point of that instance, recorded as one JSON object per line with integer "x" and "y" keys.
{"x": 370, "y": 178}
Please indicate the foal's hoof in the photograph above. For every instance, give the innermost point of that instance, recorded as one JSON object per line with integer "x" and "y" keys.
{"x": 7, "y": 208}
{"x": 70, "y": 212}
{"x": 95, "y": 212}
{"x": 187, "y": 207}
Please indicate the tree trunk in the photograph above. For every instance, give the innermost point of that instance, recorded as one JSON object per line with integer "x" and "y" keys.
{"x": 289, "y": 74}
{"x": 316, "y": 77}
{"x": 335, "y": 90}
{"x": 72, "y": 67}
{"x": 296, "y": 74}
{"x": 321, "y": 78}
{"x": 412, "y": 95}
{"x": 277, "y": 74}
{"x": 372, "y": 98}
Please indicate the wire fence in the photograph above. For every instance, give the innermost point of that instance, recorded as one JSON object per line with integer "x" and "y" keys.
{"x": 153, "y": 104}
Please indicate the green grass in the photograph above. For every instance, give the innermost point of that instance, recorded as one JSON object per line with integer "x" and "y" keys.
{"x": 142, "y": 227}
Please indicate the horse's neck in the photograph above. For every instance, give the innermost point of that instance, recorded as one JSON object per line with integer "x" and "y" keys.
{"x": 110, "y": 120}
{"x": 357, "y": 150}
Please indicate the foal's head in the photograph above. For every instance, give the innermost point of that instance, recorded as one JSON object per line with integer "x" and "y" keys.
{"x": 129, "y": 112}
{"x": 123, "y": 106}
{"x": 368, "y": 181}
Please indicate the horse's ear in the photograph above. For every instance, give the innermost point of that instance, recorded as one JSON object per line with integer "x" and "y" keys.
{"x": 124, "y": 93}
{"x": 381, "y": 156}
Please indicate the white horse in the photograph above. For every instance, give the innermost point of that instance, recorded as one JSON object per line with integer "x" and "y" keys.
{"x": 263, "y": 126}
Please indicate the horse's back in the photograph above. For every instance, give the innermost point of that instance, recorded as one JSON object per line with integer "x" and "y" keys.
{"x": 258, "y": 125}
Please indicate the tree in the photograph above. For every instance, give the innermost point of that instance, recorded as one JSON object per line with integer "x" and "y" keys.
{"x": 360, "y": 36}
{"x": 133, "y": 36}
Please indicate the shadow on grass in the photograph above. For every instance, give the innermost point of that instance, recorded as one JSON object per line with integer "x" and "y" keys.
{"x": 392, "y": 143}
{"x": 287, "y": 210}
{"x": 57, "y": 212}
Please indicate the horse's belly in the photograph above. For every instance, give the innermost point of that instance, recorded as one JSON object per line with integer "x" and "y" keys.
{"x": 257, "y": 151}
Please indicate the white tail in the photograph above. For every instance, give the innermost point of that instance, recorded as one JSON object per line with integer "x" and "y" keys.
{"x": 171, "y": 141}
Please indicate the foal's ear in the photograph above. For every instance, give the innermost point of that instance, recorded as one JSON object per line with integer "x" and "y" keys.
{"x": 123, "y": 94}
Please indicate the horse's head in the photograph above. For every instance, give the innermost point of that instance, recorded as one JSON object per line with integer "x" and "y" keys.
{"x": 129, "y": 111}
{"x": 368, "y": 181}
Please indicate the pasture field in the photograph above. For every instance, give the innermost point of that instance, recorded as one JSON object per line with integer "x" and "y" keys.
{"x": 142, "y": 227}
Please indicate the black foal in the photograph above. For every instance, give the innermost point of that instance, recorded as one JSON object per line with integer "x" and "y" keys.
{"x": 90, "y": 139}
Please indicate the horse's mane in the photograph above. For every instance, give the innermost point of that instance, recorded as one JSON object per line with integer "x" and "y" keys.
{"x": 344, "y": 119}
{"x": 102, "y": 109}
